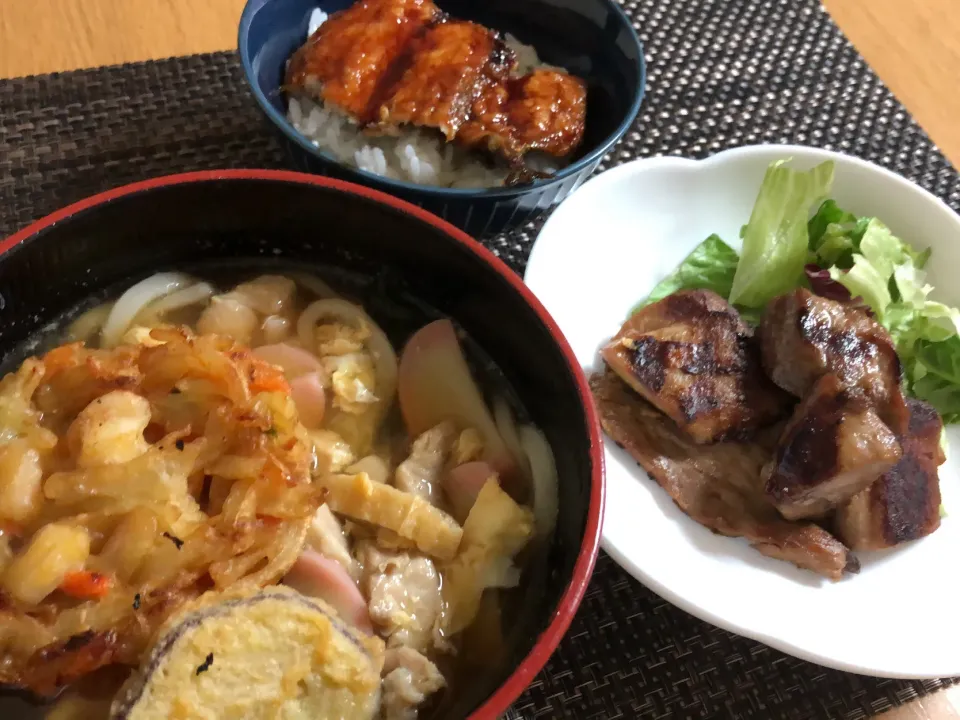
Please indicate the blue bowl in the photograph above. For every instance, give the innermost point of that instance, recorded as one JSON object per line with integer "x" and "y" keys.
{"x": 593, "y": 39}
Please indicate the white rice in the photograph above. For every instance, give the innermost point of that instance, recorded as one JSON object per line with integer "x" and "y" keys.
{"x": 418, "y": 156}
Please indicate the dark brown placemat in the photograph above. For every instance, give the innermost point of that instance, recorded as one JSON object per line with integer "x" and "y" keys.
{"x": 721, "y": 74}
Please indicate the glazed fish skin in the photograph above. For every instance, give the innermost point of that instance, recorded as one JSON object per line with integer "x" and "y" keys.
{"x": 544, "y": 110}
{"x": 804, "y": 336}
{"x": 447, "y": 64}
{"x": 904, "y": 503}
{"x": 693, "y": 357}
{"x": 833, "y": 447}
{"x": 348, "y": 59}
{"x": 718, "y": 485}
{"x": 548, "y": 112}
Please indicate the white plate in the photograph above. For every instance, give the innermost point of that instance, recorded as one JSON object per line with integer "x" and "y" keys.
{"x": 602, "y": 251}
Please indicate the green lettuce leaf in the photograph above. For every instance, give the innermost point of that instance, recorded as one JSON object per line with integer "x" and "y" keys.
{"x": 711, "y": 266}
{"x": 834, "y": 235}
{"x": 936, "y": 376}
{"x": 866, "y": 281}
{"x": 884, "y": 270}
{"x": 775, "y": 240}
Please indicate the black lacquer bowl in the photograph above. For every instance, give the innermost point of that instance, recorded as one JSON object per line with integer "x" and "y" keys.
{"x": 267, "y": 219}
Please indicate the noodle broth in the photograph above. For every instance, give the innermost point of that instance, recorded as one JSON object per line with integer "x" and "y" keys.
{"x": 336, "y": 338}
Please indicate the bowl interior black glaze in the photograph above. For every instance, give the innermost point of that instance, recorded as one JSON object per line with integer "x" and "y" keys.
{"x": 587, "y": 37}
{"x": 266, "y": 222}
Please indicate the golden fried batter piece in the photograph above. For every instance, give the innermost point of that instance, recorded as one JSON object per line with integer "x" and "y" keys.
{"x": 545, "y": 110}
{"x": 157, "y": 471}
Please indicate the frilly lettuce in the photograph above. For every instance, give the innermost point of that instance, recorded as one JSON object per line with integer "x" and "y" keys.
{"x": 711, "y": 266}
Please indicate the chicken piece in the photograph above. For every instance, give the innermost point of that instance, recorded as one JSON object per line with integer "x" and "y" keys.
{"x": 718, "y": 485}
{"x": 408, "y": 679}
{"x": 904, "y": 504}
{"x": 693, "y": 357}
{"x": 325, "y": 535}
{"x": 544, "y": 110}
{"x": 346, "y": 62}
{"x": 404, "y": 593}
{"x": 447, "y": 63}
{"x": 804, "y": 336}
{"x": 833, "y": 447}
{"x": 419, "y": 474}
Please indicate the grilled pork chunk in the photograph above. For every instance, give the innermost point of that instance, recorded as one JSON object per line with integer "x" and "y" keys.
{"x": 833, "y": 447}
{"x": 717, "y": 485}
{"x": 694, "y": 359}
{"x": 904, "y": 504}
{"x": 804, "y": 336}
{"x": 397, "y": 63}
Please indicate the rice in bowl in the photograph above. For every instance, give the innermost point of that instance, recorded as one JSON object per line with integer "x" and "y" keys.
{"x": 414, "y": 155}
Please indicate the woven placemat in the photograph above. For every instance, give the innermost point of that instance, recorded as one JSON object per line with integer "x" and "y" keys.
{"x": 721, "y": 73}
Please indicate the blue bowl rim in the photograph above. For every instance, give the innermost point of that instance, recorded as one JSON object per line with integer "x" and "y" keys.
{"x": 402, "y": 187}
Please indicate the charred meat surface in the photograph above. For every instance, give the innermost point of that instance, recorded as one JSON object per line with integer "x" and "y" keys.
{"x": 390, "y": 64}
{"x": 833, "y": 447}
{"x": 693, "y": 358}
{"x": 804, "y": 336}
{"x": 347, "y": 60}
{"x": 717, "y": 485}
{"x": 904, "y": 503}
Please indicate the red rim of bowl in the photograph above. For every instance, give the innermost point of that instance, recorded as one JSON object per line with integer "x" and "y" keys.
{"x": 537, "y": 658}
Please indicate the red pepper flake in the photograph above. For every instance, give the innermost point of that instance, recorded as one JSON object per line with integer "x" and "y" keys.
{"x": 86, "y": 585}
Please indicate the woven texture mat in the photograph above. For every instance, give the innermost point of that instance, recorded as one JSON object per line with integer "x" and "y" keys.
{"x": 721, "y": 74}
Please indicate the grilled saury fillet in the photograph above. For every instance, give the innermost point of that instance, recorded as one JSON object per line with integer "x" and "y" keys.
{"x": 389, "y": 64}
{"x": 544, "y": 110}
{"x": 717, "y": 485}
{"x": 693, "y": 357}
